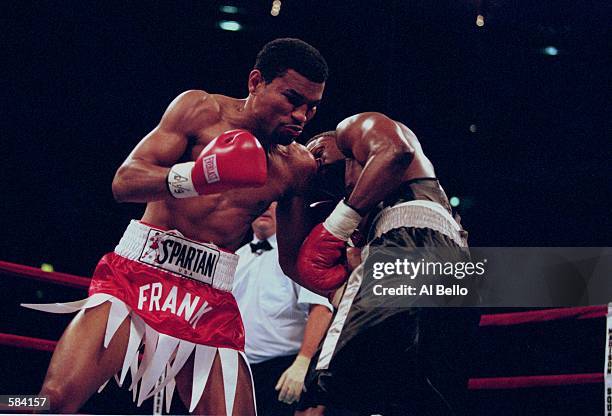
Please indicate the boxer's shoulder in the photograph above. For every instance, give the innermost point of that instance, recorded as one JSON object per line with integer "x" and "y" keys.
{"x": 194, "y": 108}
{"x": 199, "y": 99}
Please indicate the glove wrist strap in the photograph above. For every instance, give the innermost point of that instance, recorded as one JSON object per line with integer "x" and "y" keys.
{"x": 342, "y": 221}
{"x": 179, "y": 181}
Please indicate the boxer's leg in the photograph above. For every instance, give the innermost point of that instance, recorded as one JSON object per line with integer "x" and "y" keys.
{"x": 244, "y": 403}
{"x": 80, "y": 363}
{"x": 213, "y": 398}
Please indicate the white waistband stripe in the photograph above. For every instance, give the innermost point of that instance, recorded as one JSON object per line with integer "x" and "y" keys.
{"x": 171, "y": 252}
{"x": 419, "y": 214}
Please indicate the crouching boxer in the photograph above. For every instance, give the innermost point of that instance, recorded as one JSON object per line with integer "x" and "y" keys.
{"x": 204, "y": 177}
{"x": 382, "y": 358}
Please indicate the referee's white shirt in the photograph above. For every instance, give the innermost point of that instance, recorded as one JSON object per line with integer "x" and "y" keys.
{"x": 274, "y": 308}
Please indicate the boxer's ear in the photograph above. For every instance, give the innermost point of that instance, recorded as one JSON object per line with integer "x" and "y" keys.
{"x": 256, "y": 81}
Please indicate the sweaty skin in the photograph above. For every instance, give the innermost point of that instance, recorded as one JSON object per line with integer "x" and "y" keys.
{"x": 380, "y": 155}
{"x": 275, "y": 112}
{"x": 191, "y": 121}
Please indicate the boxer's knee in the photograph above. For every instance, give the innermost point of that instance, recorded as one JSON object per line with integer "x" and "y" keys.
{"x": 61, "y": 394}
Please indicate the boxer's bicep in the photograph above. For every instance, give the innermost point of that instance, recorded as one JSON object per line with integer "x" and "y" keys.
{"x": 377, "y": 143}
{"x": 167, "y": 142}
{"x": 142, "y": 176}
{"x": 159, "y": 148}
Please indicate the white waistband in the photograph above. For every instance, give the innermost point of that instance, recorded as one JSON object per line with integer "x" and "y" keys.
{"x": 171, "y": 252}
{"x": 420, "y": 214}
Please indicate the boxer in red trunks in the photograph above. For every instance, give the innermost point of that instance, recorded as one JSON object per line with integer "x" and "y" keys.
{"x": 212, "y": 165}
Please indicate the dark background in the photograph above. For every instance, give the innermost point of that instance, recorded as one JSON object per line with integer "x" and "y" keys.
{"x": 83, "y": 82}
{"x": 87, "y": 81}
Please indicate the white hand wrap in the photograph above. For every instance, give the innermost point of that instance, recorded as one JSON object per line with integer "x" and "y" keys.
{"x": 179, "y": 180}
{"x": 343, "y": 221}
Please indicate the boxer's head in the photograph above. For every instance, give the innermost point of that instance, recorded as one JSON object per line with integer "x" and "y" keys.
{"x": 264, "y": 226}
{"x": 331, "y": 165}
{"x": 285, "y": 87}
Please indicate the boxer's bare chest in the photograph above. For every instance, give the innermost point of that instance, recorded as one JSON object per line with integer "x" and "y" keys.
{"x": 279, "y": 172}
{"x": 225, "y": 218}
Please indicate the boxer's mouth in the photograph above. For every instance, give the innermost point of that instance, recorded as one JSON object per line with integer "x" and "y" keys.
{"x": 293, "y": 129}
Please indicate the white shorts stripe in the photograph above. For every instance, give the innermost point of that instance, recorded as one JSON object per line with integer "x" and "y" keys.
{"x": 335, "y": 329}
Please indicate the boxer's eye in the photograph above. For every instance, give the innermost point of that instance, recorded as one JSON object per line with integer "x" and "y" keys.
{"x": 294, "y": 99}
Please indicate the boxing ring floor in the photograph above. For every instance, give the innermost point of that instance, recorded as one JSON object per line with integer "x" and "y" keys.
{"x": 527, "y": 362}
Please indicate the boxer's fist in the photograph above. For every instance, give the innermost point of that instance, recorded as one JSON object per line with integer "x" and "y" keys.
{"x": 234, "y": 159}
{"x": 320, "y": 264}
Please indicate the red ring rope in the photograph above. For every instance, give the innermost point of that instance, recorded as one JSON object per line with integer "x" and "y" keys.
{"x": 521, "y": 382}
{"x": 27, "y": 342}
{"x": 65, "y": 279}
{"x": 502, "y": 319}
{"x": 516, "y": 318}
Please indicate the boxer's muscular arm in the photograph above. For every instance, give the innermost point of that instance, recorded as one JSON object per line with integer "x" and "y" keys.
{"x": 378, "y": 144}
{"x": 293, "y": 217}
{"x": 142, "y": 176}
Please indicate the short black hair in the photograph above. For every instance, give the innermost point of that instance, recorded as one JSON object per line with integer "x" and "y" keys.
{"x": 280, "y": 55}
{"x": 322, "y": 134}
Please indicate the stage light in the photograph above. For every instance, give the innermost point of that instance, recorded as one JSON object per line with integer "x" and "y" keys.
{"x": 231, "y": 25}
{"x": 454, "y": 201}
{"x": 229, "y": 9}
{"x": 473, "y": 128}
{"x": 550, "y": 50}
{"x": 276, "y": 6}
{"x": 480, "y": 20}
{"x": 46, "y": 267}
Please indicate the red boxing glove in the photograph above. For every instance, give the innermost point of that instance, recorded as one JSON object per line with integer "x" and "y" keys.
{"x": 234, "y": 159}
{"x": 320, "y": 260}
{"x": 319, "y": 263}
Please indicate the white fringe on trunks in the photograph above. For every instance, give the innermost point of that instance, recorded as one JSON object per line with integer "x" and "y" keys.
{"x": 164, "y": 355}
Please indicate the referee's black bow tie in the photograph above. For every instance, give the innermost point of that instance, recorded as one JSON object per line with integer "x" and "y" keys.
{"x": 260, "y": 247}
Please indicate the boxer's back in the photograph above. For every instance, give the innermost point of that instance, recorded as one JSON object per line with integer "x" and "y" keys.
{"x": 421, "y": 166}
{"x": 359, "y": 135}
